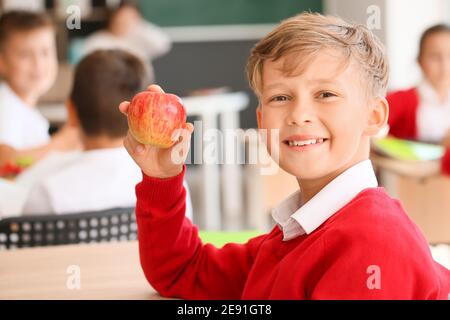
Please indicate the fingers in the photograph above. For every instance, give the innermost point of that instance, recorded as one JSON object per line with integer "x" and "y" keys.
{"x": 155, "y": 88}
{"x": 190, "y": 127}
{"x": 133, "y": 146}
{"x": 187, "y": 132}
{"x": 123, "y": 107}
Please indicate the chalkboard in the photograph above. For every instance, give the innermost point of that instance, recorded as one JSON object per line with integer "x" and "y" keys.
{"x": 223, "y": 12}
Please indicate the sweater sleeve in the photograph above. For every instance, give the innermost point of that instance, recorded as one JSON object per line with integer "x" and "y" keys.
{"x": 174, "y": 260}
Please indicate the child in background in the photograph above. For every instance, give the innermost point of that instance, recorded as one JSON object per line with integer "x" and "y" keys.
{"x": 321, "y": 84}
{"x": 423, "y": 112}
{"x": 28, "y": 67}
{"x": 128, "y": 30}
{"x": 103, "y": 175}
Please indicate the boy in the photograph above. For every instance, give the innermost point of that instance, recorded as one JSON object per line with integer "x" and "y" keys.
{"x": 321, "y": 82}
{"x": 102, "y": 175}
{"x": 423, "y": 112}
{"x": 28, "y": 67}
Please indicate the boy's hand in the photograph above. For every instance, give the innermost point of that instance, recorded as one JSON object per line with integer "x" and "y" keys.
{"x": 157, "y": 162}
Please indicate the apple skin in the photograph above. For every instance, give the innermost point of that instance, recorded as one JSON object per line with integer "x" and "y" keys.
{"x": 154, "y": 118}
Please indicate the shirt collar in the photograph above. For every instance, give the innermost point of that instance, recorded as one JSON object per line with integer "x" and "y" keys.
{"x": 295, "y": 218}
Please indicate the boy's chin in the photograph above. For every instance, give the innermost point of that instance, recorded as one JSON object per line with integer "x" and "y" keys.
{"x": 305, "y": 172}
{"x": 41, "y": 89}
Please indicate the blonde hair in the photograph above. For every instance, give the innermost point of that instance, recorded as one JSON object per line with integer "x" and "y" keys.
{"x": 302, "y": 36}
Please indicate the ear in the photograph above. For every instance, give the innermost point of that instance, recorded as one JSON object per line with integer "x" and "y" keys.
{"x": 259, "y": 116}
{"x": 2, "y": 65}
{"x": 378, "y": 116}
{"x": 72, "y": 115}
{"x": 419, "y": 61}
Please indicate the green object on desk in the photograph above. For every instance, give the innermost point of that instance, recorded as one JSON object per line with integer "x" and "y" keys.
{"x": 24, "y": 162}
{"x": 408, "y": 150}
{"x": 219, "y": 239}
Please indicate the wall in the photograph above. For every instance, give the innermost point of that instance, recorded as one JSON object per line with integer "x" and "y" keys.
{"x": 402, "y": 22}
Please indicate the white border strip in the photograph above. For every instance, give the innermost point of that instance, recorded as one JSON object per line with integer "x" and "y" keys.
{"x": 219, "y": 33}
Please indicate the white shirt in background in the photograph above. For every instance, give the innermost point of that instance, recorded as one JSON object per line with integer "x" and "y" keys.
{"x": 146, "y": 41}
{"x": 85, "y": 181}
{"x": 21, "y": 126}
{"x": 433, "y": 116}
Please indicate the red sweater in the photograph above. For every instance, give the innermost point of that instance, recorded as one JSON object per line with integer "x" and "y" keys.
{"x": 403, "y": 107}
{"x": 370, "y": 237}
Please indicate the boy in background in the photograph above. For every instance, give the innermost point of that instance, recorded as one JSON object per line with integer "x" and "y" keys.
{"x": 28, "y": 68}
{"x": 102, "y": 175}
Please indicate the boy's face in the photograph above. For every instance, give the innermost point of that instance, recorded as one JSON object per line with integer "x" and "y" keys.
{"x": 326, "y": 105}
{"x": 435, "y": 59}
{"x": 28, "y": 61}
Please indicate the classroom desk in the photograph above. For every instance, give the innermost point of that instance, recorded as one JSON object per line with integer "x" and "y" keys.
{"x": 215, "y": 111}
{"x": 415, "y": 169}
{"x": 423, "y": 192}
{"x": 107, "y": 272}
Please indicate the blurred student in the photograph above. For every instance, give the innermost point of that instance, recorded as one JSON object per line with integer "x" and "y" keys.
{"x": 28, "y": 67}
{"x": 101, "y": 176}
{"x": 423, "y": 112}
{"x": 127, "y": 30}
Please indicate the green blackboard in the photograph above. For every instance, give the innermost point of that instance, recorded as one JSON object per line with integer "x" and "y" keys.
{"x": 223, "y": 12}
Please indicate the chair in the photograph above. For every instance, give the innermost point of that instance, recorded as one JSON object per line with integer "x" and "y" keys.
{"x": 51, "y": 230}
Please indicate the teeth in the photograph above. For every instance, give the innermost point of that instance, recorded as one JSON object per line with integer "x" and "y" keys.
{"x": 304, "y": 142}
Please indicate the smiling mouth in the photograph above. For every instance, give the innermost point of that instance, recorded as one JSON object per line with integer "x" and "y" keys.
{"x": 304, "y": 143}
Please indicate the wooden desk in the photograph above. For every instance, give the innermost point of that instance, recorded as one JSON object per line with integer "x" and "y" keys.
{"x": 414, "y": 169}
{"x": 423, "y": 191}
{"x": 107, "y": 272}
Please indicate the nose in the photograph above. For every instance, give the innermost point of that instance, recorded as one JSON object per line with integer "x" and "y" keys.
{"x": 299, "y": 113}
{"x": 37, "y": 63}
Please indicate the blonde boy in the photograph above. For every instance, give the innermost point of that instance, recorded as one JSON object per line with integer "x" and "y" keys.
{"x": 321, "y": 82}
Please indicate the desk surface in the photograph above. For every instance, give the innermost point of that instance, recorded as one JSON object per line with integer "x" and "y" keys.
{"x": 107, "y": 271}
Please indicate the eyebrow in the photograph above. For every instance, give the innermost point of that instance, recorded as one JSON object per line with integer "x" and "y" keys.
{"x": 310, "y": 82}
{"x": 274, "y": 85}
{"x": 322, "y": 81}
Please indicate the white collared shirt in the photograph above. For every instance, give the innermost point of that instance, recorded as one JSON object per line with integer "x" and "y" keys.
{"x": 76, "y": 182}
{"x": 21, "y": 126}
{"x": 296, "y": 219}
{"x": 433, "y": 116}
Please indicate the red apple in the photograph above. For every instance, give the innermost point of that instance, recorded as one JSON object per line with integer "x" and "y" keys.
{"x": 154, "y": 118}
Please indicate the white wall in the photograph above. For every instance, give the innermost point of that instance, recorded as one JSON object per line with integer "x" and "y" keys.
{"x": 402, "y": 22}
{"x": 405, "y": 22}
